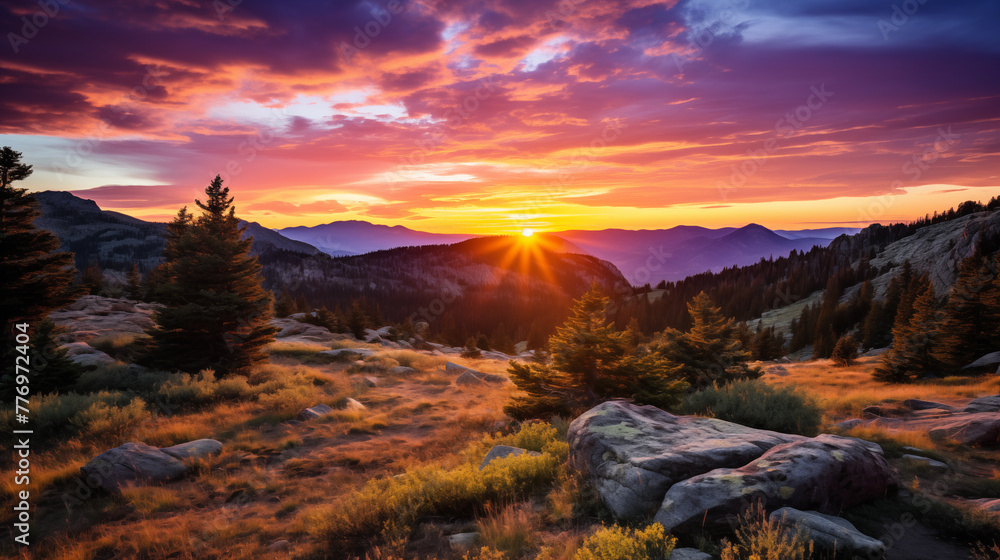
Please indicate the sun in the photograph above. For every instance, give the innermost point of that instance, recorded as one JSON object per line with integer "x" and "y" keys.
{"x": 527, "y": 232}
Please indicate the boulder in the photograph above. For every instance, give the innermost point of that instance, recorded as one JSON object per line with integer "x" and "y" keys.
{"x": 315, "y": 412}
{"x": 831, "y": 534}
{"x": 367, "y": 381}
{"x": 349, "y": 352}
{"x": 463, "y": 542}
{"x": 984, "y": 404}
{"x": 988, "y": 505}
{"x": 689, "y": 554}
{"x": 987, "y": 360}
{"x": 982, "y": 428}
{"x": 131, "y": 463}
{"x": 85, "y": 355}
{"x": 196, "y": 449}
{"x": 826, "y": 473}
{"x": 452, "y": 367}
{"x": 917, "y": 404}
{"x": 501, "y": 451}
{"x": 401, "y": 370}
{"x": 94, "y": 316}
{"x": 290, "y": 330}
{"x": 926, "y": 462}
{"x": 851, "y": 424}
{"x": 352, "y": 405}
{"x": 468, "y": 379}
{"x": 635, "y": 453}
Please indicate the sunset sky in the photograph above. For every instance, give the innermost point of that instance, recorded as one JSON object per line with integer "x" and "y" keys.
{"x": 492, "y": 116}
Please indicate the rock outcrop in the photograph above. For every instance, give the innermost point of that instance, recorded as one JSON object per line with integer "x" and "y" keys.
{"x": 984, "y": 404}
{"x": 138, "y": 463}
{"x": 826, "y": 473}
{"x": 92, "y": 317}
{"x": 290, "y": 330}
{"x": 635, "y": 453}
{"x": 471, "y": 377}
{"x": 831, "y": 534}
{"x": 85, "y": 355}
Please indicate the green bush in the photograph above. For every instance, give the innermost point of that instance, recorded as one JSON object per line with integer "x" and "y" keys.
{"x": 618, "y": 543}
{"x": 383, "y": 506}
{"x": 100, "y": 420}
{"x": 756, "y": 404}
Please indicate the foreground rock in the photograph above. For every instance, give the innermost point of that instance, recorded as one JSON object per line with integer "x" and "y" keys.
{"x": 501, "y": 451}
{"x": 138, "y": 463}
{"x": 826, "y": 473}
{"x": 917, "y": 404}
{"x": 314, "y": 412}
{"x": 85, "y": 355}
{"x": 689, "y": 554}
{"x": 469, "y": 376}
{"x": 635, "y": 453}
{"x": 984, "y": 404}
{"x": 981, "y": 428}
{"x": 831, "y": 534}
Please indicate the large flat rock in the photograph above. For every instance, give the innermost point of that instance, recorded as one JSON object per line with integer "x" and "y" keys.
{"x": 826, "y": 473}
{"x": 635, "y": 453}
{"x": 132, "y": 463}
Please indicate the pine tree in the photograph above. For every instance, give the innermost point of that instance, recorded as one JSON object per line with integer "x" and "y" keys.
{"x": 970, "y": 328}
{"x": 591, "y": 363}
{"x": 471, "y": 351}
{"x": 709, "y": 352}
{"x": 845, "y": 352}
{"x": 216, "y": 311}
{"x": 284, "y": 305}
{"x": 133, "y": 287}
{"x": 36, "y": 278}
{"x": 357, "y": 321}
{"x": 910, "y": 357}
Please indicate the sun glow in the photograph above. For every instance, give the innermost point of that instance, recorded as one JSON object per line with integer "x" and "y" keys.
{"x": 527, "y": 232}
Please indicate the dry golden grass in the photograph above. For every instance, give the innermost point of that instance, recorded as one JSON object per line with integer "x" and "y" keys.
{"x": 845, "y": 391}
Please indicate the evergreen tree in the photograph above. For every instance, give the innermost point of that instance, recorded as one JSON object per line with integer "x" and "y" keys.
{"x": 911, "y": 355}
{"x": 501, "y": 341}
{"x": 845, "y": 352}
{"x": 471, "y": 351}
{"x": 970, "y": 328}
{"x": 767, "y": 344}
{"x": 215, "y": 312}
{"x": 284, "y": 305}
{"x": 36, "y": 278}
{"x": 133, "y": 287}
{"x": 92, "y": 279}
{"x": 591, "y": 363}
{"x": 357, "y": 321}
{"x": 709, "y": 352}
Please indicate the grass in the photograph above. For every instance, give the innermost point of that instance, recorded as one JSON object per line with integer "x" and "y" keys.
{"x": 844, "y": 392}
{"x": 756, "y": 404}
{"x": 149, "y": 500}
{"x": 511, "y": 530}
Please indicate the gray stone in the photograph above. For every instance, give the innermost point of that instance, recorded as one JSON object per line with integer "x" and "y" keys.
{"x": 131, "y": 463}
{"x": 85, "y": 355}
{"x": 401, "y": 370}
{"x": 352, "y": 405}
{"x": 984, "y": 404}
{"x": 987, "y": 505}
{"x": 349, "y": 352}
{"x": 831, "y": 534}
{"x": 316, "y": 411}
{"x": 468, "y": 379}
{"x": 987, "y": 360}
{"x": 917, "y": 404}
{"x": 501, "y": 451}
{"x": 635, "y": 453}
{"x": 452, "y": 367}
{"x": 281, "y": 545}
{"x": 981, "y": 429}
{"x": 826, "y": 473}
{"x": 194, "y": 449}
{"x": 851, "y": 424}
{"x": 463, "y": 542}
{"x": 689, "y": 554}
{"x": 926, "y": 462}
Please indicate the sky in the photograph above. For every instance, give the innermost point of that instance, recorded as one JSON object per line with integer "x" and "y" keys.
{"x": 494, "y": 116}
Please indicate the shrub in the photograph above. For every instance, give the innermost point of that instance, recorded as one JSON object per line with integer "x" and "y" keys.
{"x": 385, "y": 506}
{"x": 756, "y": 404}
{"x": 101, "y": 420}
{"x": 510, "y": 530}
{"x": 845, "y": 353}
{"x": 758, "y": 538}
{"x": 53, "y": 414}
{"x": 617, "y": 543}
